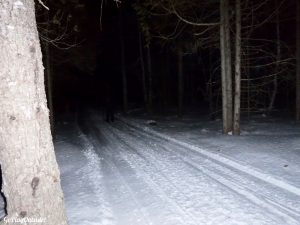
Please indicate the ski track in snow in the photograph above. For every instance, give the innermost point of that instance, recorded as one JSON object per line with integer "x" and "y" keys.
{"x": 136, "y": 161}
{"x": 214, "y": 169}
{"x": 144, "y": 177}
{"x": 240, "y": 189}
{"x": 229, "y": 162}
{"x": 114, "y": 159}
{"x": 96, "y": 179}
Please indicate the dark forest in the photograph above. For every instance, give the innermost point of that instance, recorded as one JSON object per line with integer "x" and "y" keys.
{"x": 136, "y": 112}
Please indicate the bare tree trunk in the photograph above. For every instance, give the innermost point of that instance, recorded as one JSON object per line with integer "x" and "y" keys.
{"x": 298, "y": 64}
{"x": 123, "y": 66}
{"x": 143, "y": 69}
{"x": 180, "y": 83}
{"x": 210, "y": 87}
{"x": 166, "y": 74}
{"x": 228, "y": 69}
{"x": 278, "y": 57}
{"x": 31, "y": 178}
{"x": 237, "y": 94}
{"x": 150, "y": 94}
{"x": 223, "y": 66}
{"x": 226, "y": 66}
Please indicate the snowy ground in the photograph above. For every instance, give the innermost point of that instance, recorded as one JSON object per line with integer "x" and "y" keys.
{"x": 178, "y": 172}
{"x": 270, "y": 144}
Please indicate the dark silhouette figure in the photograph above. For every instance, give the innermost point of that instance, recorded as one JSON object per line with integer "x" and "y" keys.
{"x": 109, "y": 104}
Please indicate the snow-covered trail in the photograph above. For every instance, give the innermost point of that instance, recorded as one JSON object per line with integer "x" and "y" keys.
{"x": 147, "y": 179}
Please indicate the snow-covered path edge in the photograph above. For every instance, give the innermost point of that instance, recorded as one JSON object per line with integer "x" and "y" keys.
{"x": 229, "y": 162}
{"x": 96, "y": 179}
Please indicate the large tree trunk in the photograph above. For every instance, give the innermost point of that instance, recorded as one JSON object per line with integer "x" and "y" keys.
{"x": 226, "y": 66}
{"x": 298, "y": 64}
{"x": 31, "y": 178}
{"x": 237, "y": 93}
{"x": 180, "y": 82}
{"x": 150, "y": 94}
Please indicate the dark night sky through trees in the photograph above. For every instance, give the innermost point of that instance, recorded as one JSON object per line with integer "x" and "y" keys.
{"x": 82, "y": 73}
{"x": 147, "y": 101}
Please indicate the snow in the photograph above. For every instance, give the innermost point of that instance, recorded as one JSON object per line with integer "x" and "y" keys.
{"x": 19, "y": 4}
{"x": 246, "y": 169}
{"x": 180, "y": 171}
{"x": 10, "y": 28}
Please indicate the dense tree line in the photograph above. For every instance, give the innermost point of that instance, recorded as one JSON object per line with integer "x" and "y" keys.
{"x": 253, "y": 64}
{"x": 249, "y": 62}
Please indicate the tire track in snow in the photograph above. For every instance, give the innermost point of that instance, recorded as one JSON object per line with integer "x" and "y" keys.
{"x": 282, "y": 201}
{"x": 238, "y": 179}
{"x": 132, "y": 160}
{"x": 117, "y": 172}
{"x": 229, "y": 162}
{"x": 157, "y": 162}
{"x": 95, "y": 177}
{"x": 247, "y": 194}
{"x": 275, "y": 208}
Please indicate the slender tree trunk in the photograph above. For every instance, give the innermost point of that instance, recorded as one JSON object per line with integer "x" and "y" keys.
{"x": 180, "y": 83}
{"x": 237, "y": 94}
{"x": 223, "y": 66}
{"x": 226, "y": 67}
{"x": 166, "y": 74}
{"x": 143, "y": 70}
{"x": 124, "y": 77}
{"x": 278, "y": 57}
{"x": 210, "y": 87}
{"x": 298, "y": 64}
{"x": 123, "y": 64}
{"x": 150, "y": 94}
{"x": 31, "y": 178}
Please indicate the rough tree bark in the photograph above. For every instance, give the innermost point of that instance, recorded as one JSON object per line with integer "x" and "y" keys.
{"x": 226, "y": 75}
{"x": 298, "y": 64}
{"x": 237, "y": 93}
{"x": 180, "y": 82}
{"x": 31, "y": 178}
